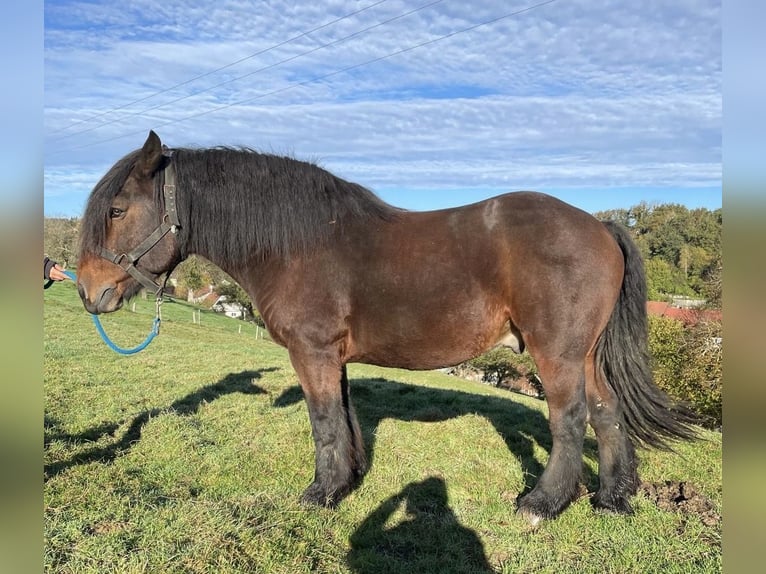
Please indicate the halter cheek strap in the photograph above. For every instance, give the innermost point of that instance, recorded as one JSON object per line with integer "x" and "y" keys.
{"x": 169, "y": 224}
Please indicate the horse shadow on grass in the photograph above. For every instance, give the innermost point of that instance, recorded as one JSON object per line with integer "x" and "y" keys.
{"x": 520, "y": 427}
{"x": 242, "y": 382}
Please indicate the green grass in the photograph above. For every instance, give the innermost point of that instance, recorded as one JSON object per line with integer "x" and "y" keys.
{"x": 191, "y": 456}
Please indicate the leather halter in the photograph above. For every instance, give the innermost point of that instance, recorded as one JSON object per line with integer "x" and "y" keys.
{"x": 166, "y": 180}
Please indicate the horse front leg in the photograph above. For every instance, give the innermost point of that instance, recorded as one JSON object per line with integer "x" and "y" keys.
{"x": 340, "y": 459}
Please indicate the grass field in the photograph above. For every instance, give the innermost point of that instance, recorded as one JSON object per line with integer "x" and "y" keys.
{"x": 191, "y": 456}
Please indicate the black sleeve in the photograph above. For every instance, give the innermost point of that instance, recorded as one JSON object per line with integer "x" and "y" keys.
{"x": 47, "y": 266}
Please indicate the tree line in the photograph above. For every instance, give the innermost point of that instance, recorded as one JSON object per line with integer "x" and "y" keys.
{"x": 681, "y": 248}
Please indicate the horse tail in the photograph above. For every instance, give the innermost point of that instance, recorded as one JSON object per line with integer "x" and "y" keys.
{"x": 651, "y": 417}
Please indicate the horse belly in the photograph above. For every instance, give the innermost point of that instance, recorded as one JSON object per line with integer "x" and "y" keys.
{"x": 421, "y": 337}
{"x": 432, "y": 291}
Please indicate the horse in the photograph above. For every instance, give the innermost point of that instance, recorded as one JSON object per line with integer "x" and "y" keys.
{"x": 339, "y": 276}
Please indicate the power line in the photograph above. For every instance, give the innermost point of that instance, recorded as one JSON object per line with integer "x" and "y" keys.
{"x": 211, "y": 72}
{"x": 328, "y": 75}
{"x": 263, "y": 69}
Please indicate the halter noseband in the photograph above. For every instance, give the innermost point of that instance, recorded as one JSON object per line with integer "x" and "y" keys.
{"x": 166, "y": 180}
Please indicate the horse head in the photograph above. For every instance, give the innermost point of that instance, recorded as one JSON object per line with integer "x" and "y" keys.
{"x": 128, "y": 231}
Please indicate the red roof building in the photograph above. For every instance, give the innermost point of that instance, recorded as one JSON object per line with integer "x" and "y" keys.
{"x": 688, "y": 317}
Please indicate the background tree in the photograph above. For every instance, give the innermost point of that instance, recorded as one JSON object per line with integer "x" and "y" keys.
{"x": 663, "y": 278}
{"x": 195, "y": 273}
{"x": 681, "y": 247}
{"x": 687, "y": 363}
{"x": 60, "y": 239}
{"x": 712, "y": 286}
{"x": 701, "y": 377}
{"x": 235, "y": 294}
{"x": 191, "y": 277}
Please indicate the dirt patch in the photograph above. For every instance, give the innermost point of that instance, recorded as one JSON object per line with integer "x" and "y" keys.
{"x": 681, "y": 497}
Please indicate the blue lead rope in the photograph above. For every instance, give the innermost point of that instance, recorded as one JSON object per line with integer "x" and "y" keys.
{"x": 154, "y": 332}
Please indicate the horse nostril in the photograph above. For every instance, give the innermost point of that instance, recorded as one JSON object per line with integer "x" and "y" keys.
{"x": 103, "y": 301}
{"x": 81, "y": 291}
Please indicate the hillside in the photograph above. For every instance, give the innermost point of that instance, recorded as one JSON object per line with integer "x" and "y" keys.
{"x": 191, "y": 456}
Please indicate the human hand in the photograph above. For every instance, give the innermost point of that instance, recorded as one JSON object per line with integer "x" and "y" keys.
{"x": 57, "y": 273}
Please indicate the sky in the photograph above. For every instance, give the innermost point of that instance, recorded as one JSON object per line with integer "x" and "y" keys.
{"x": 430, "y": 104}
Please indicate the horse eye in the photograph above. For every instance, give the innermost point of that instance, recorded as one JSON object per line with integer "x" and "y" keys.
{"x": 115, "y": 212}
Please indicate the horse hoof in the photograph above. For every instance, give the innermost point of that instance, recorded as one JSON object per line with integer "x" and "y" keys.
{"x": 315, "y": 495}
{"x": 539, "y": 505}
{"x": 611, "y": 505}
{"x": 533, "y": 519}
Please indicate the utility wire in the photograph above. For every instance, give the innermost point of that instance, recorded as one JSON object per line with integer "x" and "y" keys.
{"x": 211, "y": 72}
{"x": 328, "y": 75}
{"x": 263, "y": 69}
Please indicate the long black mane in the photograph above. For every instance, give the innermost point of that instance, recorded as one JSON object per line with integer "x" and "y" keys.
{"x": 253, "y": 203}
{"x": 248, "y": 203}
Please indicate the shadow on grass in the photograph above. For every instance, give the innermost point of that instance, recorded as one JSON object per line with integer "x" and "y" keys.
{"x": 242, "y": 382}
{"x": 520, "y": 427}
{"x": 429, "y": 539}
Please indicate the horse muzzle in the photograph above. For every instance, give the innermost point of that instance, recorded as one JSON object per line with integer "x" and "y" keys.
{"x": 106, "y": 301}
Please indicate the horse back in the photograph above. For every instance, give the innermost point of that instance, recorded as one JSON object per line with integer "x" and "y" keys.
{"x": 452, "y": 283}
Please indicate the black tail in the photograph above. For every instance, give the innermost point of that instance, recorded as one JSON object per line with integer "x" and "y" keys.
{"x": 651, "y": 418}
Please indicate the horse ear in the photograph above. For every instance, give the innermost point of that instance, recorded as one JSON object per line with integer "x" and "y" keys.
{"x": 151, "y": 155}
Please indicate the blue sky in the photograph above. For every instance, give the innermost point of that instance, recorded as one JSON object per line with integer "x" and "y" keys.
{"x": 603, "y": 104}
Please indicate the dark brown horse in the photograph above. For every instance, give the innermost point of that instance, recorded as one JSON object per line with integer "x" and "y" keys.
{"x": 339, "y": 276}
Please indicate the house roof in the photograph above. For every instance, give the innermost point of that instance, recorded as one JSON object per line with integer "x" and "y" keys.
{"x": 205, "y": 296}
{"x": 688, "y": 317}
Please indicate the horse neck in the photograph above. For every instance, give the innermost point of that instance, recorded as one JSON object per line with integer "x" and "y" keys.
{"x": 249, "y": 274}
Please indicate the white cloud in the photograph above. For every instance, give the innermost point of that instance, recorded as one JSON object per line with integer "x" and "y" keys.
{"x": 572, "y": 92}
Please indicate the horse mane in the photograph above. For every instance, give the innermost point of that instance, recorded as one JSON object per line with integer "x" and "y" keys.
{"x": 94, "y": 219}
{"x": 250, "y": 203}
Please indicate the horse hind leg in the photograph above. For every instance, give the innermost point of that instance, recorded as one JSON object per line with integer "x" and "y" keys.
{"x": 563, "y": 382}
{"x": 617, "y": 462}
{"x": 340, "y": 459}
